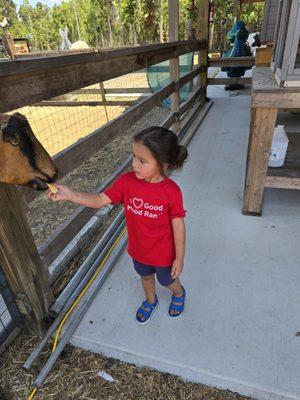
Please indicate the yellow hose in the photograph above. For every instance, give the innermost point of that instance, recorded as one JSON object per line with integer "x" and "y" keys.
{"x": 33, "y": 393}
{"x": 85, "y": 290}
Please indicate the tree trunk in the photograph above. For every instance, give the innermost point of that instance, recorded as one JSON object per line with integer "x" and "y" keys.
{"x": 161, "y": 22}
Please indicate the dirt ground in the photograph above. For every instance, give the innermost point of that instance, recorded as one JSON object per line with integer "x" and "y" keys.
{"x": 75, "y": 377}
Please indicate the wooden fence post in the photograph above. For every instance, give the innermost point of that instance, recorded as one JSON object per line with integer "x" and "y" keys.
{"x": 9, "y": 46}
{"x": 20, "y": 261}
{"x": 174, "y": 62}
{"x": 203, "y": 34}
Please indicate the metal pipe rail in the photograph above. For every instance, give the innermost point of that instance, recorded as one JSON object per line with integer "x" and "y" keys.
{"x": 30, "y": 360}
{"x": 76, "y": 317}
{"x": 94, "y": 257}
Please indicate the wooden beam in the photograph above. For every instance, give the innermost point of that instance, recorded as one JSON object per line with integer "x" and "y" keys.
{"x": 282, "y": 182}
{"x": 28, "y": 81}
{"x": 229, "y": 81}
{"x": 232, "y": 62}
{"x": 40, "y": 64}
{"x": 19, "y": 259}
{"x": 174, "y": 62}
{"x": 114, "y": 90}
{"x": 263, "y": 56}
{"x": 169, "y": 120}
{"x": 280, "y": 100}
{"x": 260, "y": 139}
{"x": 202, "y": 33}
{"x": 190, "y": 76}
{"x": 189, "y": 102}
{"x": 9, "y": 46}
{"x": 53, "y": 103}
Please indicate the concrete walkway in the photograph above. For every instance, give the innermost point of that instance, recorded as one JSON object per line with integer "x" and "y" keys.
{"x": 242, "y": 276}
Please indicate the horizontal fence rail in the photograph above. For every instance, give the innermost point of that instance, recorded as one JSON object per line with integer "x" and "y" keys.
{"x": 232, "y": 62}
{"x": 80, "y": 151}
{"x": 28, "y": 81}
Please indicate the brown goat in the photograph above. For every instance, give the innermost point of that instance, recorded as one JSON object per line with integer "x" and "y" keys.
{"x": 23, "y": 160}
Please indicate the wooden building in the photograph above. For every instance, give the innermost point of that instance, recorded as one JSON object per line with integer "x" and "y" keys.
{"x": 269, "y": 21}
{"x": 274, "y": 87}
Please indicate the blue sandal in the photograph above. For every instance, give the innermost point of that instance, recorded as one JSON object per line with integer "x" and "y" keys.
{"x": 177, "y": 307}
{"x": 146, "y": 310}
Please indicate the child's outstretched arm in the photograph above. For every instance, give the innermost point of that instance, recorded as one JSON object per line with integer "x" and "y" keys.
{"x": 66, "y": 193}
{"x": 179, "y": 241}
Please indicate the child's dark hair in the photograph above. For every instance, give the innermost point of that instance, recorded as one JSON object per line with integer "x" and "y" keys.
{"x": 163, "y": 145}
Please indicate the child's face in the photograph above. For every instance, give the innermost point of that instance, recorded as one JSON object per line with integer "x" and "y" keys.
{"x": 144, "y": 164}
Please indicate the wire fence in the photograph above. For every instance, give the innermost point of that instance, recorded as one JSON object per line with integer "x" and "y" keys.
{"x": 62, "y": 121}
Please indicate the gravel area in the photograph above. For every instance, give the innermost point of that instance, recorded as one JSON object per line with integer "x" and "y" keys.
{"x": 75, "y": 377}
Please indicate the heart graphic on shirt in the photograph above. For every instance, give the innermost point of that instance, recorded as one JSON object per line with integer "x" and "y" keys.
{"x": 137, "y": 202}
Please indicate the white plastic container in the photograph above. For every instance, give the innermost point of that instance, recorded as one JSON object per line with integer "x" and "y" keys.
{"x": 279, "y": 146}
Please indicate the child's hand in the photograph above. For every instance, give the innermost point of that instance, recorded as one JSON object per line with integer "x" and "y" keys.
{"x": 63, "y": 193}
{"x": 177, "y": 268}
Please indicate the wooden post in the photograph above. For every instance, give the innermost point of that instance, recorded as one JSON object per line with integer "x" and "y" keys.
{"x": 260, "y": 140}
{"x": 263, "y": 56}
{"x": 9, "y": 46}
{"x": 202, "y": 34}
{"x": 104, "y": 100}
{"x": 20, "y": 260}
{"x": 223, "y": 35}
{"x": 174, "y": 62}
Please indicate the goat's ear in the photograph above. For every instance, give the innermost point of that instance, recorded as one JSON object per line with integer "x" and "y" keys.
{"x": 21, "y": 118}
{"x": 10, "y": 132}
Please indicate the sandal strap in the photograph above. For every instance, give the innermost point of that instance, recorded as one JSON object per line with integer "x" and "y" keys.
{"x": 142, "y": 310}
{"x": 145, "y": 304}
{"x": 177, "y": 307}
{"x": 180, "y": 299}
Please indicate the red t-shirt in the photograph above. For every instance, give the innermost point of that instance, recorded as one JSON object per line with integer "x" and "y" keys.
{"x": 149, "y": 208}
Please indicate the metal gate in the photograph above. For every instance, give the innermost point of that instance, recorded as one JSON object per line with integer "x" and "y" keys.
{"x": 10, "y": 316}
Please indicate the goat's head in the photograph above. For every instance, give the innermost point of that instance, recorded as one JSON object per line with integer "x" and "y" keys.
{"x": 23, "y": 160}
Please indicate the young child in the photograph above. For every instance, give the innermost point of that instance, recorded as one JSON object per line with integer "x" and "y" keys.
{"x": 154, "y": 215}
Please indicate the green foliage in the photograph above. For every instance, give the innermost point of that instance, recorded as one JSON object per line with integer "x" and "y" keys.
{"x": 107, "y": 23}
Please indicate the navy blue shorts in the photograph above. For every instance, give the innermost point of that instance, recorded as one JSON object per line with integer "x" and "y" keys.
{"x": 163, "y": 274}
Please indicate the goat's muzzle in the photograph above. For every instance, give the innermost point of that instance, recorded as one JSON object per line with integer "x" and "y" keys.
{"x": 41, "y": 184}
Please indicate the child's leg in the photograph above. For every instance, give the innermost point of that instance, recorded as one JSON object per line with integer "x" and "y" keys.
{"x": 146, "y": 273}
{"x": 176, "y": 288}
{"x": 148, "y": 283}
{"x": 164, "y": 278}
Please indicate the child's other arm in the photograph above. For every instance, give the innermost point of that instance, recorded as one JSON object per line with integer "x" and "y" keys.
{"x": 66, "y": 193}
{"x": 179, "y": 241}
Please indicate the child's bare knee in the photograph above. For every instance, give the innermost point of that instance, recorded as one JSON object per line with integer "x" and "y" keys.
{"x": 148, "y": 277}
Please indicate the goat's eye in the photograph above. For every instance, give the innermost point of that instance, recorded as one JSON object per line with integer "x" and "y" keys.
{"x": 15, "y": 141}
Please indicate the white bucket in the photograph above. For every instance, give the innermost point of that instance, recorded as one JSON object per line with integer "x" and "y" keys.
{"x": 279, "y": 146}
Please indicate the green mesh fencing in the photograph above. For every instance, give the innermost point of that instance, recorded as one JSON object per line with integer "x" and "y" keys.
{"x": 158, "y": 76}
